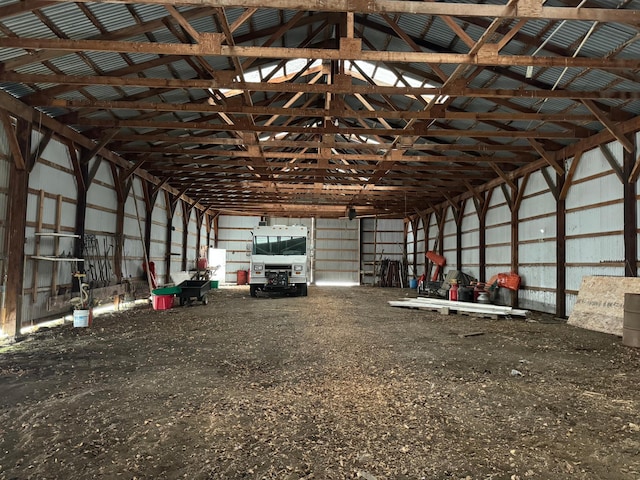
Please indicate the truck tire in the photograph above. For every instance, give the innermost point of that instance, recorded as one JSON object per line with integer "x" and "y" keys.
{"x": 253, "y": 290}
{"x": 302, "y": 289}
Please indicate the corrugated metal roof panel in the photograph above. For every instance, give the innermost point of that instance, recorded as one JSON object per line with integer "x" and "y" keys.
{"x": 112, "y": 16}
{"x": 27, "y": 25}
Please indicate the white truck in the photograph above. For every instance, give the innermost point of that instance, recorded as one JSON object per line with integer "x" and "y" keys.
{"x": 279, "y": 260}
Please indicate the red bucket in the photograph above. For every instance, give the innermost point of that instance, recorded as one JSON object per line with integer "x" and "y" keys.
{"x": 162, "y": 302}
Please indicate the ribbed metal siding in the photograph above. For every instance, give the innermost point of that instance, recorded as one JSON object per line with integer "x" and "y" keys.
{"x": 134, "y": 226}
{"x": 157, "y": 247}
{"x": 192, "y": 241}
{"x": 421, "y": 248}
{"x": 175, "y": 248}
{"x": 234, "y": 233}
{"x": 498, "y": 235}
{"x": 470, "y": 241}
{"x": 337, "y": 253}
{"x": 410, "y": 250}
{"x": 381, "y": 238}
{"x": 537, "y": 248}
{"x": 594, "y": 221}
{"x": 449, "y": 242}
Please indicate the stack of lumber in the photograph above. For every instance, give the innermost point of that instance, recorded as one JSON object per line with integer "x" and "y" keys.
{"x": 465, "y": 308}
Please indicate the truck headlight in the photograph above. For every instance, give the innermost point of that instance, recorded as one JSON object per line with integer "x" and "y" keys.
{"x": 258, "y": 267}
{"x": 297, "y": 268}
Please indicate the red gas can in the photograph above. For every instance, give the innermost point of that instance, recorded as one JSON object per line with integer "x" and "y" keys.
{"x": 453, "y": 292}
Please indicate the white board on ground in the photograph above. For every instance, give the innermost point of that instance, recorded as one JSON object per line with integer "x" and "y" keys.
{"x": 600, "y": 303}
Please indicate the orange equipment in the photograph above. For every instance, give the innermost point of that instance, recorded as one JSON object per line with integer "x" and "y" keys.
{"x": 439, "y": 261}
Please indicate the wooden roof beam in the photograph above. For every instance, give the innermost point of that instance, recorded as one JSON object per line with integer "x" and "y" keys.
{"x": 213, "y": 47}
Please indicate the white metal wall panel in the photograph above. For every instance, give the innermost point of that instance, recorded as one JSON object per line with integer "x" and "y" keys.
{"x": 470, "y": 240}
{"x": 157, "y": 247}
{"x": 368, "y": 251}
{"x": 101, "y": 219}
{"x": 192, "y": 240}
{"x": 337, "y": 252}
{"x": 290, "y": 221}
{"x": 449, "y": 241}
{"x": 204, "y": 246}
{"x": 234, "y": 233}
{"x": 101, "y": 201}
{"x": 411, "y": 254}
{"x": 421, "y": 248}
{"x": 498, "y": 235}
{"x": 177, "y": 227}
{"x": 432, "y": 234}
{"x": 55, "y": 174}
{"x": 594, "y": 221}
{"x": 537, "y": 248}
{"x": 133, "y": 229}
{"x": 380, "y": 238}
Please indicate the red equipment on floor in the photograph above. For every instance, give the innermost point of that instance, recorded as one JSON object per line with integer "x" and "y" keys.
{"x": 439, "y": 261}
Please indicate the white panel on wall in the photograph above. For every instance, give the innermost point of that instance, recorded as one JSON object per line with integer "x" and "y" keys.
{"x": 177, "y": 227}
{"x": 537, "y": 248}
{"x": 381, "y": 238}
{"x": 411, "y": 270}
{"x": 133, "y": 228}
{"x": 192, "y": 240}
{"x": 157, "y": 248}
{"x": 593, "y": 161}
{"x": 234, "y": 234}
{"x": 337, "y": 251}
{"x": 470, "y": 240}
{"x": 432, "y": 234}
{"x": 421, "y": 248}
{"x": 498, "y": 235}
{"x": 594, "y": 221}
{"x": 449, "y": 241}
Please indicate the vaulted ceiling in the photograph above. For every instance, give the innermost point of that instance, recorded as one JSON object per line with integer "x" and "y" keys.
{"x": 310, "y": 108}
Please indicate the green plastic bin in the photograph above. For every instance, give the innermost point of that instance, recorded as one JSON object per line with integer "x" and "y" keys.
{"x": 214, "y": 283}
{"x": 167, "y": 291}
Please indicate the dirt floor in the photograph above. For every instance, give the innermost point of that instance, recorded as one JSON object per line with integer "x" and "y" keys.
{"x": 335, "y": 385}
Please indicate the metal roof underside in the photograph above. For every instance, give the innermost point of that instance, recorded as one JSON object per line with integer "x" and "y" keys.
{"x": 310, "y": 108}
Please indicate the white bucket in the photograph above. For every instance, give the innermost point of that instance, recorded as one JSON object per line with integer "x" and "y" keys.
{"x": 81, "y": 318}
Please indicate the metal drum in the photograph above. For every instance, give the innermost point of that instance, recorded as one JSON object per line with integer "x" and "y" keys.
{"x": 631, "y": 324}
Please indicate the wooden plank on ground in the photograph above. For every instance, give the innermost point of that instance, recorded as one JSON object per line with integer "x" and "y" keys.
{"x": 600, "y": 303}
{"x": 476, "y": 309}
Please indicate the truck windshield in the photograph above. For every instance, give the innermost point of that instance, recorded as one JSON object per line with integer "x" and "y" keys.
{"x": 279, "y": 245}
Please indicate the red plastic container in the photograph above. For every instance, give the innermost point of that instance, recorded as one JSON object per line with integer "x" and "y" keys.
{"x": 162, "y": 302}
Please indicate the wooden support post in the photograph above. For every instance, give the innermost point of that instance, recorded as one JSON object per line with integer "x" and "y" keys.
{"x": 81, "y": 172}
{"x": 186, "y": 214}
{"x": 630, "y": 208}
{"x": 122, "y": 192}
{"x": 199, "y": 218}
{"x": 459, "y": 214}
{"x": 216, "y": 229}
{"x": 515, "y": 237}
{"x": 561, "y": 248}
{"x": 16, "y": 229}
